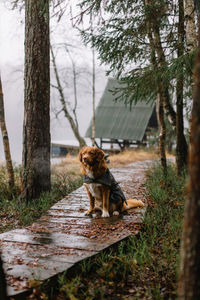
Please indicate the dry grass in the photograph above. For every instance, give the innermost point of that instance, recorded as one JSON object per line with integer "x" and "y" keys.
{"x": 126, "y": 157}
{"x": 71, "y": 166}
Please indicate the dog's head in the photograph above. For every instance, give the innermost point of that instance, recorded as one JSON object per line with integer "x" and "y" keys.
{"x": 92, "y": 158}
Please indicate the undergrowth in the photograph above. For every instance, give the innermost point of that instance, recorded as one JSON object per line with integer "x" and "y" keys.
{"x": 15, "y": 214}
{"x": 144, "y": 266}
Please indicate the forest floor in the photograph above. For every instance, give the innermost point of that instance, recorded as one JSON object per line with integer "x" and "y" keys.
{"x": 144, "y": 267}
{"x": 66, "y": 177}
{"x": 64, "y": 235}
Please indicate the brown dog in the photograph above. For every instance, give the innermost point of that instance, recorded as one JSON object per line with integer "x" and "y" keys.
{"x": 103, "y": 191}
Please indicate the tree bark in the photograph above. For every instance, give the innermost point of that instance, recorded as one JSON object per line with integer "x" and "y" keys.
{"x": 9, "y": 166}
{"x": 176, "y": 119}
{"x": 190, "y": 27}
{"x": 168, "y": 108}
{"x": 159, "y": 102}
{"x": 2, "y": 282}
{"x": 181, "y": 149}
{"x": 93, "y": 89}
{"x": 93, "y": 98}
{"x": 36, "y": 131}
{"x": 189, "y": 283}
{"x": 64, "y": 106}
{"x": 162, "y": 136}
{"x": 191, "y": 33}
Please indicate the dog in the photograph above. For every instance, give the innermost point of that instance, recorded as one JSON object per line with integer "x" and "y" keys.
{"x": 103, "y": 191}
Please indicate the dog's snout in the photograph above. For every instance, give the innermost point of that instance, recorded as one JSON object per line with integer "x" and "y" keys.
{"x": 85, "y": 158}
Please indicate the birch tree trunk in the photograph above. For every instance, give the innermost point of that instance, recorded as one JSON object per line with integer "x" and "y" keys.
{"x": 9, "y": 166}
{"x": 191, "y": 33}
{"x": 36, "y": 133}
{"x": 189, "y": 283}
{"x": 190, "y": 27}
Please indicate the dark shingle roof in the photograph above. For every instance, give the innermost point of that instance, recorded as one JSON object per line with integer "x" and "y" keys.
{"x": 114, "y": 120}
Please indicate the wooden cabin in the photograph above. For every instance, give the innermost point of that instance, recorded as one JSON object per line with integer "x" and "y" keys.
{"x": 115, "y": 123}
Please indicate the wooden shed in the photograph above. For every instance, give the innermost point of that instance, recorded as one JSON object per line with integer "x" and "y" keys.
{"x": 116, "y": 123}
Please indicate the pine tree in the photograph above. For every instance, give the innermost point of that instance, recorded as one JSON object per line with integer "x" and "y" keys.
{"x": 122, "y": 41}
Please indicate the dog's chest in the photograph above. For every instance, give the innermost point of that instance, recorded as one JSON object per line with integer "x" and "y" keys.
{"x": 95, "y": 189}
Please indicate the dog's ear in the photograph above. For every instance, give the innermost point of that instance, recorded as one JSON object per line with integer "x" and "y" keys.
{"x": 80, "y": 154}
{"x": 99, "y": 154}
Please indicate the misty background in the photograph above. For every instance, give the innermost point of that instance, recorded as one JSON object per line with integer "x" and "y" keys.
{"x": 63, "y": 37}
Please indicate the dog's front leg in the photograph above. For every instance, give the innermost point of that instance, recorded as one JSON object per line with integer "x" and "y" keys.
{"x": 91, "y": 199}
{"x": 106, "y": 194}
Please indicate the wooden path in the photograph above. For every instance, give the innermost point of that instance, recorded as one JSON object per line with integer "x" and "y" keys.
{"x": 65, "y": 236}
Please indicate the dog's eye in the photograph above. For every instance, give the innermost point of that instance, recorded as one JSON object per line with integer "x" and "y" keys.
{"x": 91, "y": 153}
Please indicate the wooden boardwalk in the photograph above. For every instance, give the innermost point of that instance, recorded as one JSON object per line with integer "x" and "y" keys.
{"x": 65, "y": 236}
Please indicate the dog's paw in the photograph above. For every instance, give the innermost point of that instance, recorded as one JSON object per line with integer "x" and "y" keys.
{"x": 88, "y": 213}
{"x": 105, "y": 214}
{"x": 115, "y": 213}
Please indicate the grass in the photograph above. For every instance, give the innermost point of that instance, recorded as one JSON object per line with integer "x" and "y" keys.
{"x": 14, "y": 214}
{"x": 129, "y": 156}
{"x": 121, "y": 159}
{"x": 143, "y": 266}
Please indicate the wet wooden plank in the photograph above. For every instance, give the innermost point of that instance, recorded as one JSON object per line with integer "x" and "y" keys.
{"x": 65, "y": 236}
{"x": 75, "y": 241}
{"x": 34, "y": 255}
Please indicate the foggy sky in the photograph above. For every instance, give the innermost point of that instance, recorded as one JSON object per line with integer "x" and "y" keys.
{"x": 11, "y": 68}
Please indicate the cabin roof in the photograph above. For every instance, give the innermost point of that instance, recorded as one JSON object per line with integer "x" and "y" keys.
{"x": 115, "y": 120}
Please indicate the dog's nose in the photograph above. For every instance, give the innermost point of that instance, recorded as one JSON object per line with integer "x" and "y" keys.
{"x": 84, "y": 158}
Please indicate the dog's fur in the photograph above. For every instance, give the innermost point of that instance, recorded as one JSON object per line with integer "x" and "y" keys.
{"x": 93, "y": 165}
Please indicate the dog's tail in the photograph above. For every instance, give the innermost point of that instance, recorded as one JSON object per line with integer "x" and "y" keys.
{"x": 131, "y": 203}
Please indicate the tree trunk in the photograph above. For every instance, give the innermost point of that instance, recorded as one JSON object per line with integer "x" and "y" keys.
{"x": 36, "y": 131}
{"x": 162, "y": 136}
{"x": 189, "y": 283}
{"x": 175, "y": 120}
{"x": 190, "y": 28}
{"x": 93, "y": 90}
{"x": 93, "y": 98}
{"x": 181, "y": 150}
{"x": 160, "y": 96}
{"x": 191, "y": 33}
{"x": 9, "y": 166}
{"x": 168, "y": 108}
{"x": 156, "y": 48}
{"x": 2, "y": 282}
{"x": 73, "y": 125}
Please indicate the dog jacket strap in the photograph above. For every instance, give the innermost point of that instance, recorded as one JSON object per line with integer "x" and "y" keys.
{"x": 108, "y": 179}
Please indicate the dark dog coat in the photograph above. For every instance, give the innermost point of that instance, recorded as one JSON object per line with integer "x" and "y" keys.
{"x": 108, "y": 179}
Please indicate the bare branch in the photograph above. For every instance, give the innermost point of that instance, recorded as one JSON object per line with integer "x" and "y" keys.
{"x": 73, "y": 123}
